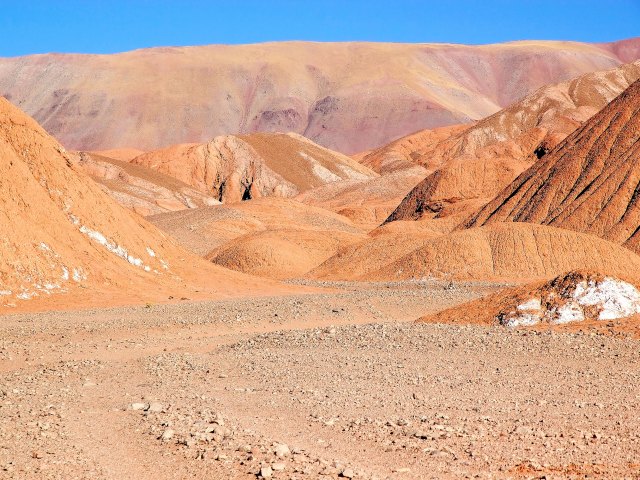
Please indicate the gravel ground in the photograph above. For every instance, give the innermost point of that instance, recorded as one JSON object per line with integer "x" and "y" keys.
{"x": 317, "y": 386}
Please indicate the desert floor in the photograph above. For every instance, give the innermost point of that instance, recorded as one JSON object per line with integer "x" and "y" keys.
{"x": 313, "y": 386}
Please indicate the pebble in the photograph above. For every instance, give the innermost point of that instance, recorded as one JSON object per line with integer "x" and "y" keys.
{"x": 347, "y": 473}
{"x": 266, "y": 472}
{"x": 281, "y": 450}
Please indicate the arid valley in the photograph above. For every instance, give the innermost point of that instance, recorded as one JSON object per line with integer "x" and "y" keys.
{"x": 307, "y": 260}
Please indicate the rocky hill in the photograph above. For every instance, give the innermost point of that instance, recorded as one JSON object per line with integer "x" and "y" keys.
{"x": 472, "y": 166}
{"x": 588, "y": 183}
{"x": 232, "y": 168}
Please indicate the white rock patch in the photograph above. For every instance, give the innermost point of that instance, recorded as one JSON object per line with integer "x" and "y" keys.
{"x": 524, "y": 319}
{"x": 609, "y": 298}
{"x": 79, "y": 275}
{"x": 114, "y": 248}
{"x": 617, "y": 299}
{"x": 319, "y": 171}
{"x": 533, "y": 304}
{"x": 569, "y": 312}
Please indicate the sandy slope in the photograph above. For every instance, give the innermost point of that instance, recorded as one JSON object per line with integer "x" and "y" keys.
{"x": 66, "y": 242}
{"x": 346, "y": 96}
{"x": 122, "y": 154}
{"x": 281, "y": 253}
{"x": 366, "y": 202}
{"x": 202, "y": 230}
{"x": 508, "y": 251}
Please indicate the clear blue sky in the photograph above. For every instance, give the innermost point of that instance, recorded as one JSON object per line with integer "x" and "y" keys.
{"x": 100, "y": 26}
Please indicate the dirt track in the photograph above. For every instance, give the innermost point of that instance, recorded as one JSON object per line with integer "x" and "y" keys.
{"x": 341, "y": 379}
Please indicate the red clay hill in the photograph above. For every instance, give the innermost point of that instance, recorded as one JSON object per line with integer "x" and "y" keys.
{"x": 471, "y": 166}
{"x": 589, "y": 183}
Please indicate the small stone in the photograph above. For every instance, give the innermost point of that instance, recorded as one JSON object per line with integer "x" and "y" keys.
{"x": 155, "y": 407}
{"x": 138, "y": 406}
{"x": 278, "y": 466}
{"x": 328, "y": 470}
{"x": 281, "y": 450}
{"x": 402, "y": 470}
{"x": 266, "y": 472}
{"x": 167, "y": 435}
{"x": 347, "y": 473}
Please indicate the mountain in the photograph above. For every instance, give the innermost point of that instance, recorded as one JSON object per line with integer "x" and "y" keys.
{"x": 349, "y": 97}
{"x": 233, "y": 168}
{"x": 588, "y": 183}
{"x": 472, "y": 166}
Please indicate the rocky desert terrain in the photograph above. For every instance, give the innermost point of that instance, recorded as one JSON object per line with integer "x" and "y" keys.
{"x": 304, "y": 261}
{"x": 326, "y": 385}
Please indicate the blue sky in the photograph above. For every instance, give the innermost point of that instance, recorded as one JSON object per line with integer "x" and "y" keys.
{"x": 99, "y": 26}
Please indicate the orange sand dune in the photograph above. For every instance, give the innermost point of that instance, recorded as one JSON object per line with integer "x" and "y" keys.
{"x": 504, "y": 251}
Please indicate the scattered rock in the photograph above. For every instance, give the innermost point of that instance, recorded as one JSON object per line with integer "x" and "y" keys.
{"x": 281, "y": 450}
